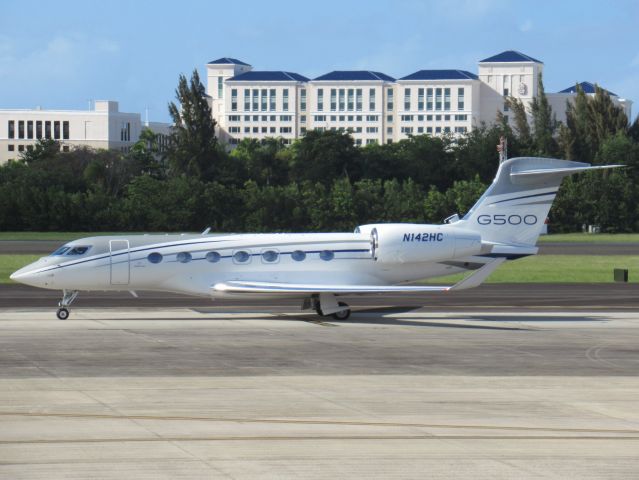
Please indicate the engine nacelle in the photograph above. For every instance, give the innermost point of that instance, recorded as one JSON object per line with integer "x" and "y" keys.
{"x": 410, "y": 243}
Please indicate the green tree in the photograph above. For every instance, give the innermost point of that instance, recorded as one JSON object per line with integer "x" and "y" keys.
{"x": 193, "y": 149}
{"x": 520, "y": 118}
{"x": 544, "y": 122}
{"x": 322, "y": 156}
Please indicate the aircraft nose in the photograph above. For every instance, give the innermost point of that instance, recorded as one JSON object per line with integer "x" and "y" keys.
{"x": 28, "y": 276}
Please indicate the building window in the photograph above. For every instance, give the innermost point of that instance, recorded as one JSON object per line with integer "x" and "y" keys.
{"x": 286, "y": 130}
{"x": 460, "y": 99}
{"x": 65, "y": 130}
{"x": 371, "y": 141}
{"x": 506, "y": 107}
{"x": 506, "y": 91}
{"x": 247, "y": 129}
{"x": 20, "y": 129}
{"x": 407, "y": 99}
{"x": 234, "y": 118}
{"x": 446, "y": 98}
{"x": 30, "y": 129}
{"x": 407, "y": 130}
{"x": 264, "y": 129}
{"x": 371, "y": 129}
{"x": 358, "y": 99}
{"x": 12, "y": 129}
{"x": 20, "y": 148}
{"x": 333, "y": 100}
{"x": 272, "y": 98}
{"x": 302, "y": 118}
{"x": 234, "y": 129}
{"x": 320, "y": 99}
{"x": 320, "y": 118}
{"x": 371, "y": 118}
{"x": 303, "y": 99}
{"x": 342, "y": 97}
{"x": 429, "y": 99}
{"x": 420, "y": 99}
{"x": 220, "y": 87}
{"x": 247, "y": 99}
{"x": 125, "y": 131}
{"x": 39, "y": 129}
{"x": 389, "y": 130}
{"x": 234, "y": 99}
{"x": 11, "y": 147}
{"x": 47, "y": 129}
{"x": 389, "y": 99}
{"x": 389, "y": 118}
{"x": 350, "y": 103}
{"x": 255, "y": 100}
{"x": 371, "y": 99}
{"x": 56, "y": 130}
{"x": 264, "y": 99}
{"x": 438, "y": 99}
{"x": 406, "y": 118}
{"x": 285, "y": 99}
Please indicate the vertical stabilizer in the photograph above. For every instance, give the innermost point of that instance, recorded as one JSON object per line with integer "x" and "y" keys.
{"x": 514, "y": 208}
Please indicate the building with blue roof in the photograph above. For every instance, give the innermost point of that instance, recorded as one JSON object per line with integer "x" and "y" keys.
{"x": 587, "y": 87}
{"x": 354, "y": 76}
{"x": 373, "y": 106}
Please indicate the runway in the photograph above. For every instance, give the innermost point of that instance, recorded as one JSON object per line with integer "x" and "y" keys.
{"x": 202, "y": 392}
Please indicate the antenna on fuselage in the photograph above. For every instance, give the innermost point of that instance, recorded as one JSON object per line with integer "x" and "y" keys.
{"x": 206, "y": 231}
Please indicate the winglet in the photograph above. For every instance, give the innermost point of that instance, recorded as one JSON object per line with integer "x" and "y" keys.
{"x": 478, "y": 276}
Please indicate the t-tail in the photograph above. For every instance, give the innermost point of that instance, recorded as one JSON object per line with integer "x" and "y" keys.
{"x": 513, "y": 210}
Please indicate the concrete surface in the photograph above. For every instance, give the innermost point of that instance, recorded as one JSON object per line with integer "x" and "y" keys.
{"x": 182, "y": 393}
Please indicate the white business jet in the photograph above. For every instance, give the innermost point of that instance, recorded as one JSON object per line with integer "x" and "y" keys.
{"x": 318, "y": 268}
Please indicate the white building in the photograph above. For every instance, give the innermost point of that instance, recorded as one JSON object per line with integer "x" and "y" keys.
{"x": 102, "y": 127}
{"x": 373, "y": 106}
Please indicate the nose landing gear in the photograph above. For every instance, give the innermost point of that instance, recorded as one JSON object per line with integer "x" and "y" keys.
{"x": 68, "y": 296}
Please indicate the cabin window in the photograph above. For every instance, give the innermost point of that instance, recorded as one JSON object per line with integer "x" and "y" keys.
{"x": 270, "y": 256}
{"x": 78, "y": 250}
{"x": 298, "y": 255}
{"x": 60, "y": 251}
{"x": 213, "y": 257}
{"x": 327, "y": 255}
{"x": 184, "y": 257}
{"x": 154, "y": 257}
{"x": 241, "y": 256}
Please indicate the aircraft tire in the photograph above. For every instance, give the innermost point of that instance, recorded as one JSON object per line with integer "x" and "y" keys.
{"x": 344, "y": 314}
{"x": 62, "y": 313}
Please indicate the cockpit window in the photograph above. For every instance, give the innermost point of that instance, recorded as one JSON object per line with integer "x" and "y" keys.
{"x": 78, "y": 250}
{"x": 60, "y": 251}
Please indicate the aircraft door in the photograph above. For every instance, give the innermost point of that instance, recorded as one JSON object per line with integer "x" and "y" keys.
{"x": 119, "y": 262}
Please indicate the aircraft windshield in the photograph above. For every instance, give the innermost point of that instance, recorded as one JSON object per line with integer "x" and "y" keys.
{"x": 70, "y": 250}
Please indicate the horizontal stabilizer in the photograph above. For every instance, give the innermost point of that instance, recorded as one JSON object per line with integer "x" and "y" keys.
{"x": 473, "y": 280}
{"x": 537, "y": 175}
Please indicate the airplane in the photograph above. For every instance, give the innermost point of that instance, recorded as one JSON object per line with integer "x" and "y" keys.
{"x": 319, "y": 268}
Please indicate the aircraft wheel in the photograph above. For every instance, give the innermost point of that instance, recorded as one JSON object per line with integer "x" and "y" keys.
{"x": 344, "y": 314}
{"x": 62, "y": 313}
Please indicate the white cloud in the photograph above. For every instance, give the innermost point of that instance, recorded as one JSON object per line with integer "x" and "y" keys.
{"x": 526, "y": 26}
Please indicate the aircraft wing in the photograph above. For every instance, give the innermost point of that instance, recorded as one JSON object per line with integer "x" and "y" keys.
{"x": 473, "y": 280}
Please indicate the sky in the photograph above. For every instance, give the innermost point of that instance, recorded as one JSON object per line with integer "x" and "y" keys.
{"x": 63, "y": 54}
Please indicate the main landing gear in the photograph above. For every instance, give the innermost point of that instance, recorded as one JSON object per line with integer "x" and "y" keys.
{"x": 326, "y": 304}
{"x": 68, "y": 296}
